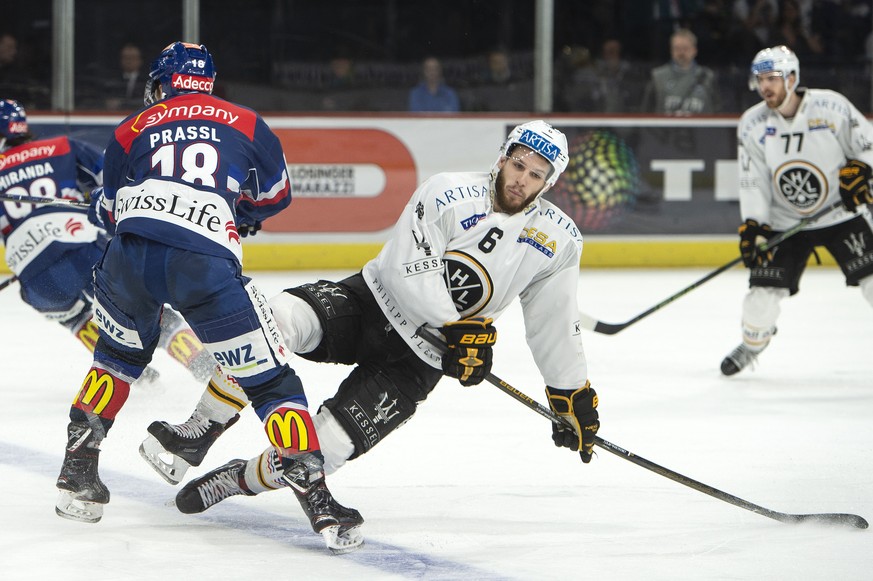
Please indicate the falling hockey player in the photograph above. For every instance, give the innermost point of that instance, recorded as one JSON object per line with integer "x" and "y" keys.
{"x": 465, "y": 247}
{"x": 177, "y": 209}
{"x": 800, "y": 150}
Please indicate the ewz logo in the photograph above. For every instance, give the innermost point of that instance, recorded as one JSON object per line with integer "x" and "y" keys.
{"x": 239, "y": 358}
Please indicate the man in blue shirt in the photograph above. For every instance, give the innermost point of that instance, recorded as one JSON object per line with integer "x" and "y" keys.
{"x": 432, "y": 93}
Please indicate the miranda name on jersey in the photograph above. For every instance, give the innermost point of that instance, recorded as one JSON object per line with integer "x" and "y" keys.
{"x": 30, "y": 172}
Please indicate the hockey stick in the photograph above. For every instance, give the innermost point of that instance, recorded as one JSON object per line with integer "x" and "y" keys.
{"x": 38, "y": 200}
{"x": 851, "y": 520}
{"x": 593, "y": 324}
{"x": 8, "y": 281}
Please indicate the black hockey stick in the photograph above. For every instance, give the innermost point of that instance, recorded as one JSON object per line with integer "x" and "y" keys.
{"x": 8, "y": 281}
{"x": 39, "y": 200}
{"x": 851, "y": 520}
{"x": 593, "y": 324}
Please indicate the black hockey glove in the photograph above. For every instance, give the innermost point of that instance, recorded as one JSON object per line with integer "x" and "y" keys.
{"x": 753, "y": 235}
{"x": 855, "y": 184}
{"x": 248, "y": 228}
{"x": 579, "y": 407}
{"x": 469, "y": 342}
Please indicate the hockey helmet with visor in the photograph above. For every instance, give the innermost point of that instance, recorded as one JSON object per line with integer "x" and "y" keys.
{"x": 778, "y": 60}
{"x": 182, "y": 67}
{"x": 543, "y": 139}
{"x": 13, "y": 120}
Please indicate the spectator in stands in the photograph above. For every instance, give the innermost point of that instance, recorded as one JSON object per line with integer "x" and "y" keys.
{"x": 618, "y": 82}
{"x": 124, "y": 90}
{"x": 16, "y": 82}
{"x": 432, "y": 93}
{"x": 340, "y": 84}
{"x": 682, "y": 87}
{"x": 757, "y": 16}
{"x": 576, "y": 81}
{"x": 499, "y": 89}
{"x": 790, "y": 31}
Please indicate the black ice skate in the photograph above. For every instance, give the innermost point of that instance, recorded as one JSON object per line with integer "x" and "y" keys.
{"x": 82, "y": 493}
{"x": 340, "y": 526}
{"x": 173, "y": 448}
{"x": 213, "y": 487}
{"x": 739, "y": 359}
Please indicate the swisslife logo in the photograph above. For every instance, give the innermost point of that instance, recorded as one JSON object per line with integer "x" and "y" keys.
{"x": 192, "y": 83}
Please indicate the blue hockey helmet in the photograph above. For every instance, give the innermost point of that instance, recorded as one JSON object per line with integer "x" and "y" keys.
{"x": 182, "y": 67}
{"x": 13, "y": 120}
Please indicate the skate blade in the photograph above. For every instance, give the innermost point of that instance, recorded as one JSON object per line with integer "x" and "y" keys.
{"x": 343, "y": 540}
{"x": 72, "y": 508}
{"x": 170, "y": 467}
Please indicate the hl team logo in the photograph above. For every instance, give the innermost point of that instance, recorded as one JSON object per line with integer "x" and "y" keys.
{"x": 802, "y": 185}
{"x": 468, "y": 282}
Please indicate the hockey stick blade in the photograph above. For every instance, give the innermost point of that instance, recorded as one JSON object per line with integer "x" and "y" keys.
{"x": 43, "y": 201}
{"x": 590, "y": 323}
{"x": 851, "y": 520}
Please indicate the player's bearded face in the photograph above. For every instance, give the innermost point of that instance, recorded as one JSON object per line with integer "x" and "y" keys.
{"x": 772, "y": 89}
{"x": 521, "y": 178}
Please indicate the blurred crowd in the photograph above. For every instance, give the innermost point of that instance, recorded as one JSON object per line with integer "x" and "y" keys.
{"x": 611, "y": 56}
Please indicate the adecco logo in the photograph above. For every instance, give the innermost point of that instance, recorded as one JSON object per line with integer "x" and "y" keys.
{"x": 190, "y": 83}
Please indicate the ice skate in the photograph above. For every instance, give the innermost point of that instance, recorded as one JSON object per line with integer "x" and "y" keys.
{"x": 340, "y": 526}
{"x": 211, "y": 488}
{"x": 173, "y": 448}
{"x": 82, "y": 493}
{"x": 149, "y": 376}
{"x": 739, "y": 359}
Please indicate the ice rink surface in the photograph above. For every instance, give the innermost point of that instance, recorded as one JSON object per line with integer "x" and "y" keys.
{"x": 473, "y": 488}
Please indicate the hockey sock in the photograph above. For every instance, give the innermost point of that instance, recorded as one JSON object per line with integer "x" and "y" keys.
{"x": 102, "y": 394}
{"x": 223, "y": 398}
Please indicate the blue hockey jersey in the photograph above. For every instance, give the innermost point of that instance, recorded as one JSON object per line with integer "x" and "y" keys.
{"x": 186, "y": 170}
{"x": 35, "y": 235}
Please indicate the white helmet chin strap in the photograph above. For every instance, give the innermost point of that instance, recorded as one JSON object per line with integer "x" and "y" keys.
{"x": 787, "y": 101}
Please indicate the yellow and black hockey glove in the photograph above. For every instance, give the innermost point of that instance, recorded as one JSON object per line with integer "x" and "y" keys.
{"x": 469, "y": 342}
{"x": 752, "y": 235}
{"x": 578, "y": 407}
{"x": 855, "y": 184}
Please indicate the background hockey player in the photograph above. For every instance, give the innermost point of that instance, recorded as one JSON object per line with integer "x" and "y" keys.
{"x": 185, "y": 178}
{"x": 52, "y": 249}
{"x": 800, "y": 150}
{"x": 465, "y": 246}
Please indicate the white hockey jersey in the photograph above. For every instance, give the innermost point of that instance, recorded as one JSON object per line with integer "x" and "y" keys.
{"x": 789, "y": 167}
{"x": 451, "y": 257}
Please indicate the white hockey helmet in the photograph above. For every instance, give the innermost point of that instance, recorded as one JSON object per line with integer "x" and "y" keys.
{"x": 778, "y": 59}
{"x": 543, "y": 139}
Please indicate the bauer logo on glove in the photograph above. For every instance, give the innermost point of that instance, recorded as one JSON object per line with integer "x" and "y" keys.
{"x": 855, "y": 184}
{"x": 469, "y": 343}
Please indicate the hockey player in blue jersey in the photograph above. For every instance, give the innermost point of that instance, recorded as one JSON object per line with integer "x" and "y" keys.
{"x": 184, "y": 179}
{"x": 52, "y": 249}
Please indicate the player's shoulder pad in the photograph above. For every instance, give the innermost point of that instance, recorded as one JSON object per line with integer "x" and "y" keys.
{"x": 753, "y": 118}
{"x": 557, "y": 221}
{"x": 444, "y": 191}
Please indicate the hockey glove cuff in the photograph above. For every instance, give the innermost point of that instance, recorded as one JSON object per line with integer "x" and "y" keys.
{"x": 248, "y": 228}
{"x": 469, "y": 343}
{"x": 855, "y": 184}
{"x": 579, "y": 409}
{"x": 753, "y": 235}
{"x": 99, "y": 212}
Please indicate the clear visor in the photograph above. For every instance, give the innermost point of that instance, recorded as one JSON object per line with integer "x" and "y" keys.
{"x": 755, "y": 80}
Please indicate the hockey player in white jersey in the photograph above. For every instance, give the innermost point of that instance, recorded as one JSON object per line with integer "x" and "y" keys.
{"x": 800, "y": 150}
{"x": 465, "y": 246}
